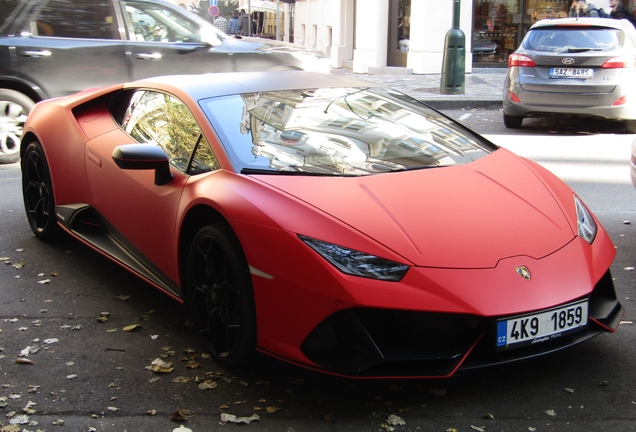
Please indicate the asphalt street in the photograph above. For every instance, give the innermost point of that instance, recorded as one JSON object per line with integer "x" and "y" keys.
{"x": 69, "y": 308}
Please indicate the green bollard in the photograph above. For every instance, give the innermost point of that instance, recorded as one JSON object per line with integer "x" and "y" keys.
{"x": 454, "y": 64}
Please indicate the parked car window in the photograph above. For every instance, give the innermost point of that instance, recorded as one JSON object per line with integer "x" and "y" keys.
{"x": 68, "y": 18}
{"x": 163, "y": 120}
{"x": 7, "y": 12}
{"x": 554, "y": 39}
{"x": 153, "y": 22}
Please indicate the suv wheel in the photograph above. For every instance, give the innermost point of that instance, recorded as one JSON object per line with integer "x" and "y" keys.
{"x": 512, "y": 122}
{"x": 14, "y": 109}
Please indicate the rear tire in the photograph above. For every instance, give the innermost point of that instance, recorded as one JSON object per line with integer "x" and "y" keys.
{"x": 630, "y": 126}
{"x": 37, "y": 192}
{"x": 14, "y": 109}
{"x": 219, "y": 295}
{"x": 512, "y": 122}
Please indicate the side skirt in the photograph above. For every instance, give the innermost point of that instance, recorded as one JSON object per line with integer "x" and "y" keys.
{"x": 85, "y": 223}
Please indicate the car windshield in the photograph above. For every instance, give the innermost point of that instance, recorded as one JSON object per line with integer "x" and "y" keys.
{"x": 338, "y": 131}
{"x": 573, "y": 39}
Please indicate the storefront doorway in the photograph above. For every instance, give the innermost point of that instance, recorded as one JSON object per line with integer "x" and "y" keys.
{"x": 399, "y": 32}
{"x": 500, "y": 25}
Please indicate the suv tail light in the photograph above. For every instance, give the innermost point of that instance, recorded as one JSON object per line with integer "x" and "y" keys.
{"x": 520, "y": 60}
{"x": 619, "y": 62}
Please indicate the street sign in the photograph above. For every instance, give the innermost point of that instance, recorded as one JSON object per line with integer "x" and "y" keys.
{"x": 213, "y": 10}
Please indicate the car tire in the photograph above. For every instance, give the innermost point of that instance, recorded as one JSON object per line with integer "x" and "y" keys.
{"x": 37, "y": 193}
{"x": 219, "y": 295}
{"x": 630, "y": 126}
{"x": 512, "y": 122}
{"x": 14, "y": 109}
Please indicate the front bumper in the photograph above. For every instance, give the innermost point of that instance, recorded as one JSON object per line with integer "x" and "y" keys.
{"x": 366, "y": 342}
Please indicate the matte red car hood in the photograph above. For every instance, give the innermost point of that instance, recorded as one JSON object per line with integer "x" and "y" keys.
{"x": 467, "y": 216}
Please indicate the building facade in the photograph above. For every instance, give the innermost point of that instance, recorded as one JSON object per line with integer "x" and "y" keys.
{"x": 363, "y": 34}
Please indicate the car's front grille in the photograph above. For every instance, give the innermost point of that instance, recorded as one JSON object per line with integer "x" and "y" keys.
{"x": 378, "y": 342}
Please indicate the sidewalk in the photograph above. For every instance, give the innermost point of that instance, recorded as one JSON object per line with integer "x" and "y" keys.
{"x": 483, "y": 87}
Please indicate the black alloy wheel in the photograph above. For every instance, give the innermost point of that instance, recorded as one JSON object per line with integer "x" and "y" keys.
{"x": 37, "y": 192}
{"x": 219, "y": 295}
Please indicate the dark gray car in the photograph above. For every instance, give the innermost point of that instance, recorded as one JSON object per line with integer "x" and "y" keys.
{"x": 51, "y": 48}
{"x": 573, "y": 66}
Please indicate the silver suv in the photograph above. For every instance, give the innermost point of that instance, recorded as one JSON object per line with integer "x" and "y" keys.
{"x": 51, "y": 48}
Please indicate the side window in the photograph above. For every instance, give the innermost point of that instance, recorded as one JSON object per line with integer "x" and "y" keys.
{"x": 161, "y": 119}
{"x": 155, "y": 22}
{"x": 69, "y": 18}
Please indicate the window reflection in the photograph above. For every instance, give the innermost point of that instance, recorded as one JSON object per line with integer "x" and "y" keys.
{"x": 161, "y": 119}
{"x": 343, "y": 131}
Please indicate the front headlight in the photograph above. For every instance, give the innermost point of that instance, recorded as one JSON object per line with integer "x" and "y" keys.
{"x": 585, "y": 221}
{"x": 357, "y": 263}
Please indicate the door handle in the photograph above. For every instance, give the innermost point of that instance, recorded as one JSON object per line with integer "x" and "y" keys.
{"x": 148, "y": 56}
{"x": 43, "y": 53}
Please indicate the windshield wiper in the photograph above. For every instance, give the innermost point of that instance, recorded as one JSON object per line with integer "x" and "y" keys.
{"x": 286, "y": 172}
{"x": 580, "y": 50}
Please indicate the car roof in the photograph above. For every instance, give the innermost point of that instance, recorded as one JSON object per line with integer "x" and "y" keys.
{"x": 621, "y": 24}
{"x": 203, "y": 86}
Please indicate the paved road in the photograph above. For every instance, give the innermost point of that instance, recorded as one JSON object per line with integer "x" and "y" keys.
{"x": 95, "y": 375}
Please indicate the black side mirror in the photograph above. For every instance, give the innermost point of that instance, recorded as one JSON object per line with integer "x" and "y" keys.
{"x": 144, "y": 157}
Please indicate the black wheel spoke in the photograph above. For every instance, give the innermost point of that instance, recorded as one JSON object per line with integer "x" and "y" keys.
{"x": 215, "y": 297}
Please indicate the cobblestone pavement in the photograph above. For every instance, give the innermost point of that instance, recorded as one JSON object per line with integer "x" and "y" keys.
{"x": 483, "y": 87}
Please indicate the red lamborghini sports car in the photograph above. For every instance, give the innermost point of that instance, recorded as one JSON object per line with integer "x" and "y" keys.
{"x": 324, "y": 221}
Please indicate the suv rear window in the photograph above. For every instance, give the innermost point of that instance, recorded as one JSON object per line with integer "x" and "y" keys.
{"x": 579, "y": 39}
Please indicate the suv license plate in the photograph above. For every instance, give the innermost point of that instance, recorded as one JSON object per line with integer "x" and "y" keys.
{"x": 541, "y": 326}
{"x": 571, "y": 73}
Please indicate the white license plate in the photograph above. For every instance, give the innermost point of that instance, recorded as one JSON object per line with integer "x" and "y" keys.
{"x": 571, "y": 73}
{"x": 541, "y": 326}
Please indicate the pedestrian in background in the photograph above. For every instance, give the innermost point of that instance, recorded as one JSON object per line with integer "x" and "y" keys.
{"x": 244, "y": 23}
{"x": 221, "y": 23}
{"x": 580, "y": 8}
{"x": 233, "y": 25}
{"x": 620, "y": 12}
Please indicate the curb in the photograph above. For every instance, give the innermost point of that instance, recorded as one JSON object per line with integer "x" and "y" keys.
{"x": 459, "y": 104}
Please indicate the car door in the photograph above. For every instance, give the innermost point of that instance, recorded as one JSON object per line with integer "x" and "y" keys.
{"x": 164, "y": 40}
{"x": 65, "y": 46}
{"x": 141, "y": 213}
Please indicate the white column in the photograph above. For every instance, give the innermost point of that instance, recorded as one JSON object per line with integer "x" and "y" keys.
{"x": 371, "y": 34}
{"x": 430, "y": 21}
{"x": 342, "y": 42}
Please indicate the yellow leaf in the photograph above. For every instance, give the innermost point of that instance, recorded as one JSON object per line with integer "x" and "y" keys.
{"x": 131, "y": 327}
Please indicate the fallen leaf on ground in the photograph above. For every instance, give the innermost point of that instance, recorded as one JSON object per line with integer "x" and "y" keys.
{"x": 225, "y": 418}
{"x": 568, "y": 390}
{"x": 272, "y": 409}
{"x": 394, "y": 420}
{"x": 161, "y": 366}
{"x": 131, "y": 327}
{"x": 22, "y": 360}
{"x": 550, "y": 412}
{"x": 208, "y": 384}
{"x": 478, "y": 428}
{"x": 122, "y": 297}
{"x": 58, "y": 422}
{"x": 180, "y": 415}
{"x": 182, "y": 428}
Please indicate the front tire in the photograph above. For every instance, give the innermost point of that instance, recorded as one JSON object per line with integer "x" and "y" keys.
{"x": 14, "y": 109}
{"x": 512, "y": 122}
{"x": 219, "y": 295}
{"x": 37, "y": 192}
